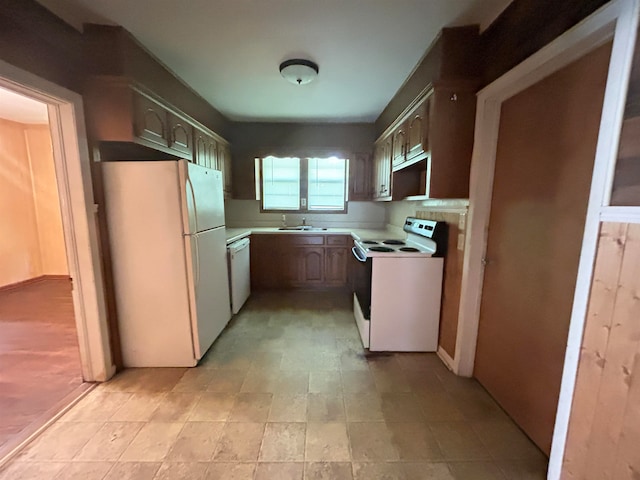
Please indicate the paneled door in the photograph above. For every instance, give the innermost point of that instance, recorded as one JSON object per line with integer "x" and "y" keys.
{"x": 544, "y": 163}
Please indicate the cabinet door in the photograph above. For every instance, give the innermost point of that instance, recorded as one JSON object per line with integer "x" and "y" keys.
{"x": 377, "y": 175}
{"x": 212, "y": 149}
{"x": 399, "y": 146}
{"x": 360, "y": 177}
{"x": 180, "y": 136}
{"x": 224, "y": 159}
{"x": 289, "y": 265}
{"x": 336, "y": 262}
{"x": 200, "y": 153}
{"x": 311, "y": 265}
{"x": 385, "y": 179}
{"x": 221, "y": 164}
{"x": 150, "y": 121}
{"x": 264, "y": 263}
{"x": 417, "y": 138}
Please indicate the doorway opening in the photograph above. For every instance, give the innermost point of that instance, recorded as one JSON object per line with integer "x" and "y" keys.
{"x": 53, "y": 327}
{"x": 39, "y": 357}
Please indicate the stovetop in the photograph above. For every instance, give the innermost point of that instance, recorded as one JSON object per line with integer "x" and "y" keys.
{"x": 422, "y": 240}
{"x": 393, "y": 246}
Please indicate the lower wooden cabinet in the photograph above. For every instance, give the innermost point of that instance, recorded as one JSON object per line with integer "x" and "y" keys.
{"x": 282, "y": 261}
{"x": 336, "y": 261}
{"x": 310, "y": 262}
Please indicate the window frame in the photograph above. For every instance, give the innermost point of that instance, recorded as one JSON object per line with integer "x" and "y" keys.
{"x": 304, "y": 182}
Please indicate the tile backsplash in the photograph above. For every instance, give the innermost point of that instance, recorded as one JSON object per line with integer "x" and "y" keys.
{"x": 246, "y": 213}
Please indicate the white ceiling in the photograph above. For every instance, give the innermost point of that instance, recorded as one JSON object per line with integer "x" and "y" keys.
{"x": 18, "y": 108}
{"x": 229, "y": 50}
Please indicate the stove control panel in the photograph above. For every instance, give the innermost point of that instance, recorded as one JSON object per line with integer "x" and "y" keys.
{"x": 436, "y": 231}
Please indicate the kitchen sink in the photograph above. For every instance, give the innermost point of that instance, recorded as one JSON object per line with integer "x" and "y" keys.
{"x": 303, "y": 227}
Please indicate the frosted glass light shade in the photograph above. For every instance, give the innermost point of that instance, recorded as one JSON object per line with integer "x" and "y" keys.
{"x": 299, "y": 71}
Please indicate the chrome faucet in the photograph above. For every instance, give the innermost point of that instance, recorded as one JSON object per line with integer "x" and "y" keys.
{"x": 304, "y": 221}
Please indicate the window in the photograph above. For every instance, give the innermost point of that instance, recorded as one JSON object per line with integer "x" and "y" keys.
{"x": 281, "y": 183}
{"x": 303, "y": 184}
{"x": 327, "y": 181}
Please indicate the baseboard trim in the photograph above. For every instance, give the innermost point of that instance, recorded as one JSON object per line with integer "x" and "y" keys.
{"x": 446, "y": 358}
{"x": 29, "y": 281}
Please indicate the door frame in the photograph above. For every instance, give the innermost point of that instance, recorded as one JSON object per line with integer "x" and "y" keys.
{"x": 79, "y": 214}
{"x": 617, "y": 20}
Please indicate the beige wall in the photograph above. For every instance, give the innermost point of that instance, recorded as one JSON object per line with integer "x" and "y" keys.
{"x": 46, "y": 200}
{"x": 31, "y": 239}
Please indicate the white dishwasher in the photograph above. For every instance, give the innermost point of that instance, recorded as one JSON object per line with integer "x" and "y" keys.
{"x": 239, "y": 273}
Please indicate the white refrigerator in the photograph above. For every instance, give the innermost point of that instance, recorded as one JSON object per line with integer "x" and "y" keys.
{"x": 168, "y": 249}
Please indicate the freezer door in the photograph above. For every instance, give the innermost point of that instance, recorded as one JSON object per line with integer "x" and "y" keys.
{"x": 209, "y": 287}
{"x": 203, "y": 197}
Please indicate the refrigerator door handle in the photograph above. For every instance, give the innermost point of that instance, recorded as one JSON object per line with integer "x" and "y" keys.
{"x": 193, "y": 198}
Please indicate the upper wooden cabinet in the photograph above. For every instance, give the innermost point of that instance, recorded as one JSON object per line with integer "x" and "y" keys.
{"x": 119, "y": 111}
{"x": 150, "y": 121}
{"x": 451, "y": 128}
{"x": 201, "y": 148}
{"x": 360, "y": 172}
{"x": 431, "y": 146}
{"x": 214, "y": 153}
{"x": 382, "y": 169}
{"x": 224, "y": 165}
{"x": 410, "y": 137}
{"x": 399, "y": 145}
{"x": 417, "y": 127}
{"x": 180, "y": 135}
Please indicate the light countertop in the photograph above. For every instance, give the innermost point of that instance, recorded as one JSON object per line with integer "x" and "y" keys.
{"x": 235, "y": 234}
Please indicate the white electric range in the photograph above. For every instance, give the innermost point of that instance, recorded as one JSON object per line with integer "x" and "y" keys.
{"x": 398, "y": 287}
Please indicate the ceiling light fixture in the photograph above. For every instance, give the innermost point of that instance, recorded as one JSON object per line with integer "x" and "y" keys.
{"x": 299, "y": 71}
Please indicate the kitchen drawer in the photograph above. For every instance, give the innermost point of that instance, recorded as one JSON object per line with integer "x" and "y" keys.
{"x": 338, "y": 239}
{"x": 297, "y": 239}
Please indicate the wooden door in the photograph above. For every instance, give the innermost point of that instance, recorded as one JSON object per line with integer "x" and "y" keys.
{"x": 212, "y": 149}
{"x": 385, "y": 178}
{"x": 417, "y": 131}
{"x": 377, "y": 170}
{"x": 261, "y": 252}
{"x": 311, "y": 265}
{"x": 360, "y": 177}
{"x": 399, "y": 146}
{"x": 150, "y": 121}
{"x": 289, "y": 266}
{"x": 200, "y": 153}
{"x": 544, "y": 162}
{"x": 336, "y": 262}
{"x": 180, "y": 136}
{"x": 224, "y": 160}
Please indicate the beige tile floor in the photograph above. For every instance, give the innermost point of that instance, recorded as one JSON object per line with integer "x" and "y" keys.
{"x": 286, "y": 392}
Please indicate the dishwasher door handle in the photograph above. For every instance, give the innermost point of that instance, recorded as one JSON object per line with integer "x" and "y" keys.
{"x": 238, "y": 246}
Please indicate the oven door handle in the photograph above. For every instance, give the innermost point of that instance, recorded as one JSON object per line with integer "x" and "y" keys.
{"x": 354, "y": 250}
